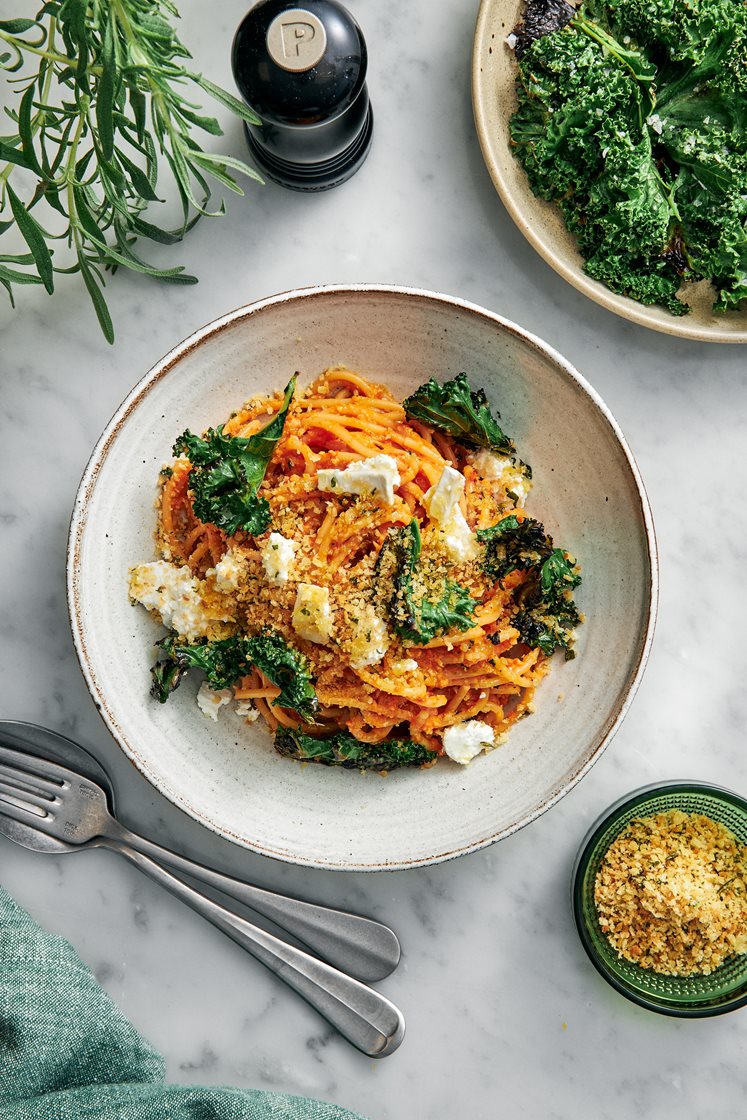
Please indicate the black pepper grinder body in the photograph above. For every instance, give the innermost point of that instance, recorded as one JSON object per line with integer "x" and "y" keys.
{"x": 302, "y": 69}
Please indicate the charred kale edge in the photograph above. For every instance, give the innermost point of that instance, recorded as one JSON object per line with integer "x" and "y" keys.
{"x": 547, "y": 613}
{"x": 345, "y": 750}
{"x": 420, "y": 621}
{"x": 228, "y": 660}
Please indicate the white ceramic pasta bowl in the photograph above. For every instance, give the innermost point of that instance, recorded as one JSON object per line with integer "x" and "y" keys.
{"x": 587, "y": 491}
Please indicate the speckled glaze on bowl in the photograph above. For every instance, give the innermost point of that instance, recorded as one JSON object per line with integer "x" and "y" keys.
{"x": 587, "y": 491}
{"x": 494, "y": 101}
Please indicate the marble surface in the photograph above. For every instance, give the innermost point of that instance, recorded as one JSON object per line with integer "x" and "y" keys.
{"x": 505, "y": 1014}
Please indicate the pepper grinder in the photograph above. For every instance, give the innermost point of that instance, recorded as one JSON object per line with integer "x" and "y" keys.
{"x": 303, "y": 72}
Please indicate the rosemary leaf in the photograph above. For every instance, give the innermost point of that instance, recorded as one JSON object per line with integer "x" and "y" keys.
{"x": 105, "y": 104}
{"x": 34, "y": 236}
{"x": 97, "y": 299}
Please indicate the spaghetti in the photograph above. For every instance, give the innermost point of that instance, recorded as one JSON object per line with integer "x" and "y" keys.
{"x": 371, "y": 682}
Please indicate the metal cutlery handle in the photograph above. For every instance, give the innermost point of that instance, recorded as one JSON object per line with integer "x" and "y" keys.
{"x": 362, "y": 1015}
{"x": 359, "y": 946}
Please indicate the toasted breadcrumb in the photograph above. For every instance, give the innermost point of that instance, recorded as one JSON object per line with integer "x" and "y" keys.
{"x": 369, "y": 679}
{"x": 671, "y": 894}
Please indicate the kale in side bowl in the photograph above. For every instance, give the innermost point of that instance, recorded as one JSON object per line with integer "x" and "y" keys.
{"x": 632, "y": 117}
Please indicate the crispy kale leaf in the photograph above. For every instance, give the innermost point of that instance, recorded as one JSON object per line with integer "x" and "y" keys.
{"x": 641, "y": 67}
{"x": 226, "y": 661}
{"x": 673, "y": 30}
{"x": 540, "y": 18}
{"x": 513, "y": 545}
{"x": 580, "y": 132}
{"x": 288, "y": 670}
{"x": 703, "y": 122}
{"x": 227, "y": 472}
{"x": 223, "y": 663}
{"x": 414, "y": 617}
{"x": 547, "y": 614}
{"x": 345, "y": 750}
{"x": 461, "y": 411}
{"x": 633, "y": 119}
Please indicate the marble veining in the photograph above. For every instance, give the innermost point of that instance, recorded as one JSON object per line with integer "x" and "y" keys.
{"x": 505, "y": 1015}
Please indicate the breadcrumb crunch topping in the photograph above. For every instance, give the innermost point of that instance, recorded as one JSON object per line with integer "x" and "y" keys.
{"x": 349, "y": 469}
{"x": 671, "y": 894}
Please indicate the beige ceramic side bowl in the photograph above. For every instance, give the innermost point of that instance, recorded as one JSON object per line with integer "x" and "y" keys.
{"x": 494, "y": 102}
{"x": 587, "y": 491}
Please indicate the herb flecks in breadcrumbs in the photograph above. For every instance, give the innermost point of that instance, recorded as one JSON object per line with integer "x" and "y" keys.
{"x": 671, "y": 894}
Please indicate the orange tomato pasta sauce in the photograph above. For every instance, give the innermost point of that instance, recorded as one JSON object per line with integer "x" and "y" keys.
{"x": 414, "y": 690}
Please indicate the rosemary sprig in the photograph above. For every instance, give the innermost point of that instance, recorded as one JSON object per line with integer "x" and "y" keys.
{"x": 104, "y": 100}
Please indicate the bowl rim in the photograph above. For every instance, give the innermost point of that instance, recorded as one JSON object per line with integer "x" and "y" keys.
{"x": 78, "y": 524}
{"x": 641, "y": 796}
{"x": 630, "y": 309}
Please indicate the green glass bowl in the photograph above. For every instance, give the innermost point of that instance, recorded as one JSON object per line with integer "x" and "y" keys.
{"x": 688, "y": 997}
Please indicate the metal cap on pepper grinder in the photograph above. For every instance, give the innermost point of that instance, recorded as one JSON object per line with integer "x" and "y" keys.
{"x": 302, "y": 69}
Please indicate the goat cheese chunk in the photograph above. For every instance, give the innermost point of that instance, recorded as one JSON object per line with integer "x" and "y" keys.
{"x": 174, "y": 594}
{"x": 370, "y": 639}
{"x": 492, "y": 466}
{"x": 312, "y": 614}
{"x": 210, "y": 701}
{"x": 227, "y": 571}
{"x": 464, "y": 741}
{"x": 375, "y": 477}
{"x": 442, "y": 505}
{"x": 278, "y": 556}
{"x": 246, "y": 709}
{"x": 406, "y": 665}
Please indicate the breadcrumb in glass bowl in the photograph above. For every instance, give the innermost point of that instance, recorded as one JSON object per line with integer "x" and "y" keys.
{"x": 646, "y": 899}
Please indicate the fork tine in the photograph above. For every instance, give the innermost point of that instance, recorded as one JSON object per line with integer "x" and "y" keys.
{"x": 29, "y": 783}
{"x": 35, "y": 807}
{"x": 38, "y": 768}
{"x": 26, "y": 796}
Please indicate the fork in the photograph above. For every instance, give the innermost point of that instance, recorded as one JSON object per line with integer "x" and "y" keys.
{"x": 361, "y": 1014}
{"x": 73, "y": 808}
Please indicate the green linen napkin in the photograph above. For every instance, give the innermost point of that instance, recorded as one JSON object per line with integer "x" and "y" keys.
{"x": 67, "y": 1053}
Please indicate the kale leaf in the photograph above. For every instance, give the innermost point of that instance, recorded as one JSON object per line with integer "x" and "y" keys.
{"x": 641, "y": 68}
{"x": 540, "y": 18}
{"x": 673, "y": 30}
{"x": 647, "y": 280}
{"x": 345, "y": 750}
{"x": 415, "y": 618}
{"x": 633, "y": 119}
{"x": 227, "y": 472}
{"x": 223, "y": 663}
{"x": 513, "y": 545}
{"x": 549, "y": 629}
{"x": 461, "y": 411}
{"x": 228, "y": 660}
{"x": 288, "y": 670}
{"x": 547, "y": 614}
